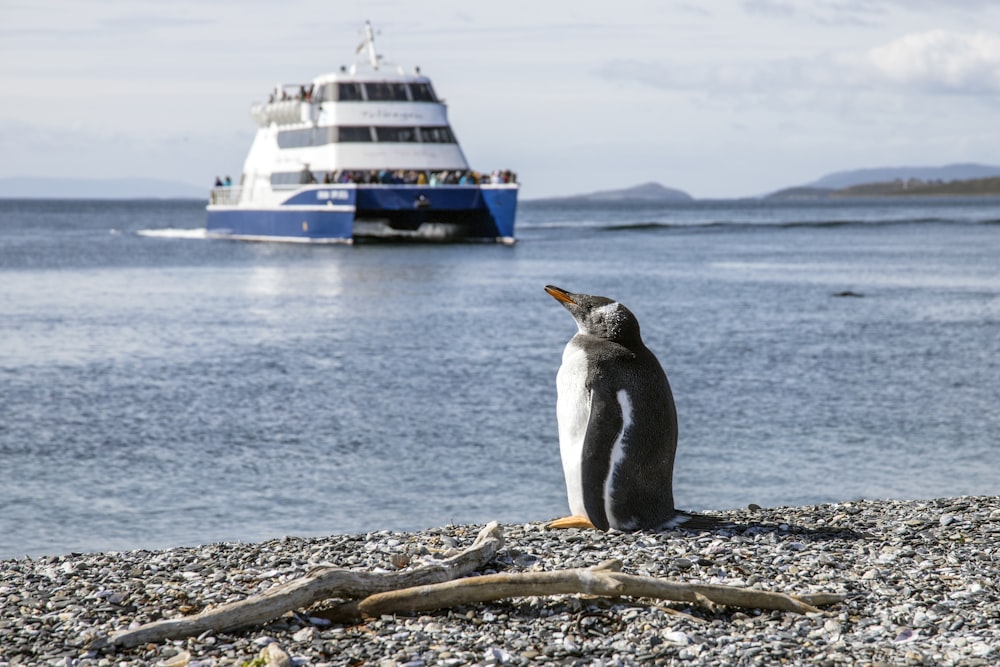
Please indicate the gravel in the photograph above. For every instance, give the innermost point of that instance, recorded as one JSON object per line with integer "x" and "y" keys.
{"x": 920, "y": 576}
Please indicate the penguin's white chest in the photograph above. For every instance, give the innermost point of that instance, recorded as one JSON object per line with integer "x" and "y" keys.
{"x": 573, "y": 415}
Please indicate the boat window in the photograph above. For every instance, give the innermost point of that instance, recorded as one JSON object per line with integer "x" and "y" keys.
{"x": 321, "y": 136}
{"x": 422, "y": 92}
{"x": 292, "y": 177}
{"x": 382, "y": 91}
{"x": 396, "y": 134}
{"x": 348, "y": 91}
{"x": 352, "y": 133}
{"x": 436, "y": 135}
{"x": 296, "y": 138}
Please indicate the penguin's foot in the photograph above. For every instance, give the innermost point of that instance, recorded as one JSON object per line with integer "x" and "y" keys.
{"x": 575, "y": 521}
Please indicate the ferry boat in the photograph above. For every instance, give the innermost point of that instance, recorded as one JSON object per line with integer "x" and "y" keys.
{"x": 363, "y": 152}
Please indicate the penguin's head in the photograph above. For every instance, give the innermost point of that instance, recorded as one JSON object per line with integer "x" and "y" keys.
{"x": 598, "y": 315}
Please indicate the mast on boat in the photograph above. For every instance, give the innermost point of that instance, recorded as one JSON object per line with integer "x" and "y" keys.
{"x": 369, "y": 45}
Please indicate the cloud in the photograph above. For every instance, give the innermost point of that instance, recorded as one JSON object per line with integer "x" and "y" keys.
{"x": 941, "y": 61}
{"x": 831, "y": 13}
{"x": 929, "y": 63}
{"x": 864, "y": 13}
{"x": 736, "y": 77}
{"x": 770, "y": 8}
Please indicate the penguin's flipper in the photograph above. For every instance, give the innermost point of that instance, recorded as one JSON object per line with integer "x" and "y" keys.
{"x": 603, "y": 430}
{"x": 571, "y": 522}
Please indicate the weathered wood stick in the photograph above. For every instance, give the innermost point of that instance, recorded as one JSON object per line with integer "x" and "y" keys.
{"x": 318, "y": 584}
{"x": 602, "y": 580}
{"x": 820, "y": 599}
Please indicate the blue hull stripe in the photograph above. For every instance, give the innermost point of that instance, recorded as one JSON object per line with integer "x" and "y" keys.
{"x": 327, "y": 213}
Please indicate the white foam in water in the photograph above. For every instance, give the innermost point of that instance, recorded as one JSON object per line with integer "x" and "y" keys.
{"x": 172, "y": 233}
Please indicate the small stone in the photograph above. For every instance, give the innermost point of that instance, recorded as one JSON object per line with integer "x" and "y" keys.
{"x": 677, "y": 637}
{"x": 306, "y": 634}
{"x": 275, "y": 656}
{"x": 180, "y": 660}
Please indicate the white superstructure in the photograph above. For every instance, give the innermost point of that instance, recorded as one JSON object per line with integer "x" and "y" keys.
{"x": 369, "y": 117}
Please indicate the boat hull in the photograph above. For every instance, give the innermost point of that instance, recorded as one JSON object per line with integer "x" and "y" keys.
{"x": 344, "y": 213}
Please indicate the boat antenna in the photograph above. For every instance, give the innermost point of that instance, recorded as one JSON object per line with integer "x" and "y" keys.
{"x": 369, "y": 44}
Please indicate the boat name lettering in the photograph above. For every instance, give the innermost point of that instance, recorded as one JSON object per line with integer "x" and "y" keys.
{"x": 332, "y": 194}
{"x": 395, "y": 115}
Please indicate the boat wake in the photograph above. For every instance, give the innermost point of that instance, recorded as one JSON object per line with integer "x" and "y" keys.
{"x": 173, "y": 233}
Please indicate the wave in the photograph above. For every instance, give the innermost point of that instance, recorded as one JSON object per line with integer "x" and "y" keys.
{"x": 173, "y": 233}
{"x": 730, "y": 225}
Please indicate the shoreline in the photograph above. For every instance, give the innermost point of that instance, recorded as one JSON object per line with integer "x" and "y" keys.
{"x": 921, "y": 578}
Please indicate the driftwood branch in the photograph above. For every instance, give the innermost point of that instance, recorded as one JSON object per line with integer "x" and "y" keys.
{"x": 321, "y": 583}
{"x": 601, "y": 580}
{"x": 440, "y": 585}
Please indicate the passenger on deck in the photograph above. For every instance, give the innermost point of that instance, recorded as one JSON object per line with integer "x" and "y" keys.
{"x": 228, "y": 181}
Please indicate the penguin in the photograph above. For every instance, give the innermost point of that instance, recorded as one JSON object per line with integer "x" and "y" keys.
{"x": 617, "y": 423}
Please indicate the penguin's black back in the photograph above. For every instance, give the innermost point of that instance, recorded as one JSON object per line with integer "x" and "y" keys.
{"x": 641, "y": 486}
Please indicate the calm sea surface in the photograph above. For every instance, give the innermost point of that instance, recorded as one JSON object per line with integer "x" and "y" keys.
{"x": 159, "y": 389}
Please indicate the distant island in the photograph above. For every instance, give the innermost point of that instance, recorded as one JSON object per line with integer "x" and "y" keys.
{"x": 962, "y": 171}
{"x": 647, "y": 192}
{"x": 912, "y": 187}
{"x": 956, "y": 180}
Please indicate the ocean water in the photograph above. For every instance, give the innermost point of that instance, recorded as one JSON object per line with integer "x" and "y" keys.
{"x": 159, "y": 389}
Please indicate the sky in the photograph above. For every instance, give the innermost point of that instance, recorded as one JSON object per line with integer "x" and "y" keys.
{"x": 719, "y": 98}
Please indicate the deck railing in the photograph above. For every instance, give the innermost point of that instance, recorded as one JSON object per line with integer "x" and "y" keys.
{"x": 225, "y": 196}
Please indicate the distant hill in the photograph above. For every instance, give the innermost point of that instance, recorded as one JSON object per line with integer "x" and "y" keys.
{"x": 950, "y": 172}
{"x": 914, "y": 187}
{"x": 801, "y": 192}
{"x": 917, "y": 187}
{"x": 27, "y": 187}
{"x": 648, "y": 192}
{"x": 953, "y": 179}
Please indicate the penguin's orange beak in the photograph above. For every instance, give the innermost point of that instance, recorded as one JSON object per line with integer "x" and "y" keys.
{"x": 559, "y": 294}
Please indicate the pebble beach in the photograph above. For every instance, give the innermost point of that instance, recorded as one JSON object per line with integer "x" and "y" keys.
{"x": 920, "y": 579}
